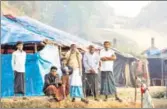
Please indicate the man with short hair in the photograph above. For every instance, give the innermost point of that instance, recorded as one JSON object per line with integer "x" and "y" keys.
{"x": 107, "y": 57}
{"x": 53, "y": 85}
{"x": 18, "y": 66}
{"x": 91, "y": 64}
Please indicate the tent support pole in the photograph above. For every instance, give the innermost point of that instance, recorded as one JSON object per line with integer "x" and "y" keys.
{"x": 60, "y": 51}
{"x": 162, "y": 80}
{"x": 35, "y": 48}
{"x": 135, "y": 83}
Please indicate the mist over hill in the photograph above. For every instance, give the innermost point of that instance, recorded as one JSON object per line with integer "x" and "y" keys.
{"x": 96, "y": 21}
{"x": 153, "y": 16}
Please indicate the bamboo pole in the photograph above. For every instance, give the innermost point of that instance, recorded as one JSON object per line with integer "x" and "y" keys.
{"x": 135, "y": 83}
{"x": 60, "y": 50}
{"x": 141, "y": 100}
{"x": 35, "y": 48}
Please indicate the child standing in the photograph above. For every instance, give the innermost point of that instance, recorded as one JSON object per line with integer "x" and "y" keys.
{"x": 66, "y": 70}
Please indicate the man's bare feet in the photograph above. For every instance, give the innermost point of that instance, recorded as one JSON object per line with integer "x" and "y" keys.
{"x": 96, "y": 99}
{"x": 14, "y": 99}
{"x": 73, "y": 99}
{"x": 84, "y": 100}
{"x": 24, "y": 98}
{"x": 118, "y": 99}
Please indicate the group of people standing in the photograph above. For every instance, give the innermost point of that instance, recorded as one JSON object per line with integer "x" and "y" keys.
{"x": 71, "y": 82}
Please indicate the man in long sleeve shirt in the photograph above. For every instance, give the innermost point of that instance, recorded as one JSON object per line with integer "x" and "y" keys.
{"x": 53, "y": 85}
{"x": 18, "y": 66}
{"x": 91, "y": 63}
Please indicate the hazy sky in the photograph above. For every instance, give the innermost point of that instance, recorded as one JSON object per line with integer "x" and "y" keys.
{"x": 127, "y": 8}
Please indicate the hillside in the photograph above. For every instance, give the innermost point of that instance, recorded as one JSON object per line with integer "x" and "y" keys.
{"x": 96, "y": 21}
{"x": 78, "y": 18}
{"x": 153, "y": 16}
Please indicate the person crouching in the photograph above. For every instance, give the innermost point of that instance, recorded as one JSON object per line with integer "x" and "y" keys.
{"x": 53, "y": 85}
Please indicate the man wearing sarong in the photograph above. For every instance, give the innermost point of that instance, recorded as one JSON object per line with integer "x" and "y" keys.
{"x": 91, "y": 64}
{"x": 18, "y": 66}
{"x": 66, "y": 70}
{"x": 107, "y": 57}
{"x": 74, "y": 58}
{"x": 53, "y": 85}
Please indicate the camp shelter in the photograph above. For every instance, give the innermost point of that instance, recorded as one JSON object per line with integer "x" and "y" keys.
{"x": 39, "y": 58}
{"x": 158, "y": 67}
{"x": 124, "y": 76}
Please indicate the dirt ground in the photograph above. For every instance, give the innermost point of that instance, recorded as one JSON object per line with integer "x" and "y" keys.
{"x": 126, "y": 94}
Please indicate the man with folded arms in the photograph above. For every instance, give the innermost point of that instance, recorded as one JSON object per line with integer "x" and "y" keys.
{"x": 107, "y": 57}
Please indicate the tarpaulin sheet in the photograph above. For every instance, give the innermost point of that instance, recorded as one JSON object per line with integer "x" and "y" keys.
{"x": 27, "y": 29}
{"x": 157, "y": 66}
{"x": 37, "y": 65}
{"x": 52, "y": 33}
{"x": 119, "y": 68}
{"x": 48, "y": 57}
{"x": 153, "y": 52}
{"x": 12, "y": 32}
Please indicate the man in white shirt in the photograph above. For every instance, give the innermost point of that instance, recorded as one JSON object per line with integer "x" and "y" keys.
{"x": 18, "y": 66}
{"x": 107, "y": 57}
{"x": 91, "y": 64}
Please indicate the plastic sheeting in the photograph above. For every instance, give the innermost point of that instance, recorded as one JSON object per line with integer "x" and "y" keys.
{"x": 119, "y": 70}
{"x": 119, "y": 67}
{"x": 12, "y": 32}
{"x": 52, "y": 33}
{"x": 48, "y": 57}
{"x": 27, "y": 29}
{"x": 37, "y": 65}
{"x": 153, "y": 52}
{"x": 157, "y": 66}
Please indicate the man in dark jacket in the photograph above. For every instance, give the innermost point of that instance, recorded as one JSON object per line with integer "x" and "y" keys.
{"x": 53, "y": 85}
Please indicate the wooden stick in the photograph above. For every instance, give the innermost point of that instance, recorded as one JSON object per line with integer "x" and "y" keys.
{"x": 135, "y": 83}
{"x": 141, "y": 100}
{"x": 35, "y": 48}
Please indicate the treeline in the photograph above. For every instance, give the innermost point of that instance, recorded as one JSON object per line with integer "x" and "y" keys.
{"x": 75, "y": 17}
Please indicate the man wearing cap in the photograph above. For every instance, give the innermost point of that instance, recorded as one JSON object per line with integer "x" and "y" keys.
{"x": 18, "y": 66}
{"x": 107, "y": 57}
{"x": 74, "y": 60}
{"x": 91, "y": 64}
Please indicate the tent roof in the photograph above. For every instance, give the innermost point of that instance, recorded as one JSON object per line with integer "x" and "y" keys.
{"x": 126, "y": 55}
{"x": 11, "y": 32}
{"x": 160, "y": 54}
{"x": 35, "y": 31}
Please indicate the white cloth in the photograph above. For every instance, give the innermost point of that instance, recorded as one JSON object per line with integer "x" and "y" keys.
{"x": 76, "y": 78}
{"x": 18, "y": 61}
{"x": 91, "y": 61}
{"x": 107, "y": 65}
{"x": 147, "y": 101}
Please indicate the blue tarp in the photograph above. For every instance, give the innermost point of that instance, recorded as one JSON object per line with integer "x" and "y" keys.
{"x": 37, "y": 65}
{"x": 27, "y": 29}
{"x": 12, "y": 32}
{"x": 52, "y": 33}
{"x": 153, "y": 52}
